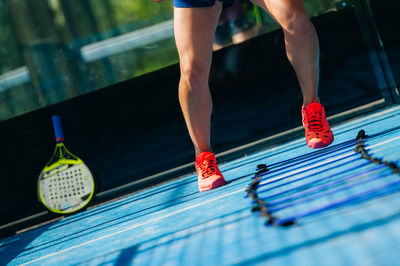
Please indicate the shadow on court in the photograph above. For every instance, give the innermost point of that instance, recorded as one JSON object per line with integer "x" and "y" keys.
{"x": 10, "y": 248}
{"x": 314, "y": 242}
{"x": 128, "y": 255}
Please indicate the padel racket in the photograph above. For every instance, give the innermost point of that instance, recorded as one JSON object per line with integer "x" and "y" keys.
{"x": 66, "y": 184}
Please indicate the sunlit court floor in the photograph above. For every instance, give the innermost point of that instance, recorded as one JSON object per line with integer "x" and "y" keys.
{"x": 346, "y": 211}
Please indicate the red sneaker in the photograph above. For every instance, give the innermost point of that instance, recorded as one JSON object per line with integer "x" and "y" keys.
{"x": 209, "y": 176}
{"x": 318, "y": 132}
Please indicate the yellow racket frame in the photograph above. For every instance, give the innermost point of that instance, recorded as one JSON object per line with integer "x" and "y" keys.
{"x": 57, "y": 160}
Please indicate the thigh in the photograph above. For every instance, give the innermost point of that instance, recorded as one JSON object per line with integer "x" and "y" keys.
{"x": 194, "y": 34}
{"x": 282, "y": 11}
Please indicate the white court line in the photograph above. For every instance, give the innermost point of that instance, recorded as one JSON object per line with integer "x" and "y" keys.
{"x": 133, "y": 227}
{"x": 384, "y": 142}
{"x": 384, "y": 112}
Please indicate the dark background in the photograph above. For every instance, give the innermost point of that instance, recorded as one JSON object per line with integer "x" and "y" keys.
{"x": 134, "y": 129}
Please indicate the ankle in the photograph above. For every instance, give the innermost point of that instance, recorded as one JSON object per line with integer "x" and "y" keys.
{"x": 202, "y": 155}
{"x": 307, "y": 101}
{"x": 200, "y": 151}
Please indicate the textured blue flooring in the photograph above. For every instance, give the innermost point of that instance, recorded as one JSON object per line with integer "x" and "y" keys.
{"x": 173, "y": 224}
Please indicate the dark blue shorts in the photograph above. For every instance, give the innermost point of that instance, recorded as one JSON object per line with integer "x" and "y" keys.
{"x": 201, "y": 3}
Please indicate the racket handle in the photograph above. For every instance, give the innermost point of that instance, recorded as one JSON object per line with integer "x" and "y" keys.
{"x": 58, "y": 131}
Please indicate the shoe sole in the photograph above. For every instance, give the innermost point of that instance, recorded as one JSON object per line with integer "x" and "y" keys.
{"x": 217, "y": 183}
{"x": 317, "y": 144}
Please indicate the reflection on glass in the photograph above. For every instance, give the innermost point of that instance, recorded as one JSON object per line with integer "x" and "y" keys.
{"x": 53, "y": 50}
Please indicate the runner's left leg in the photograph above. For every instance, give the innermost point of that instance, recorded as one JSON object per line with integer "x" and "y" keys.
{"x": 301, "y": 41}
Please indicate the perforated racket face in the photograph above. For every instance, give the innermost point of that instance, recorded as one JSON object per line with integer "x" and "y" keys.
{"x": 66, "y": 188}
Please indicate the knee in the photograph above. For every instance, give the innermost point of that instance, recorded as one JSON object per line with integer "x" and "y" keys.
{"x": 295, "y": 20}
{"x": 194, "y": 75}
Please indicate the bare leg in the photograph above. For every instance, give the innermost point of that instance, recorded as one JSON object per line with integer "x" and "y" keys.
{"x": 301, "y": 40}
{"x": 194, "y": 34}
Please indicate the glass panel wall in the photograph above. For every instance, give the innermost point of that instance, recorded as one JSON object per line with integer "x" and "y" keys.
{"x": 53, "y": 50}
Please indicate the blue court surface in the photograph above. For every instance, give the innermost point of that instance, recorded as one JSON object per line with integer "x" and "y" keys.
{"x": 345, "y": 209}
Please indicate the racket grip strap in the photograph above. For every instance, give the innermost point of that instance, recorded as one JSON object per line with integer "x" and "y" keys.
{"x": 58, "y": 131}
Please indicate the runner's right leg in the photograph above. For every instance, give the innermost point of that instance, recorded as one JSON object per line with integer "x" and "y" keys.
{"x": 194, "y": 34}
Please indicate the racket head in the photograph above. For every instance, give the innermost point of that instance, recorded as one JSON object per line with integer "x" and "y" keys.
{"x": 65, "y": 185}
